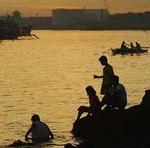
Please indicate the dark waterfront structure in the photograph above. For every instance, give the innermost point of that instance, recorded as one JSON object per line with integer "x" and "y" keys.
{"x": 10, "y": 30}
{"x": 78, "y": 18}
{"x": 98, "y": 19}
{"x": 36, "y": 22}
{"x": 39, "y": 23}
{"x": 86, "y": 19}
{"x": 130, "y": 21}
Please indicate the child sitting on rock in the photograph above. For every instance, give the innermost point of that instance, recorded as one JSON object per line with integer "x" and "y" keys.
{"x": 94, "y": 102}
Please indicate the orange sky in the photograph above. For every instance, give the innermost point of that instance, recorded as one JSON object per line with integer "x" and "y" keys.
{"x": 43, "y": 7}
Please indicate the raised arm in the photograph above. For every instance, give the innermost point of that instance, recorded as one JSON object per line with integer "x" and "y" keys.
{"x": 96, "y": 76}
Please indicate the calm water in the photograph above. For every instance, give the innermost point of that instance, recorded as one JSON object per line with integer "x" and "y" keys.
{"x": 48, "y": 76}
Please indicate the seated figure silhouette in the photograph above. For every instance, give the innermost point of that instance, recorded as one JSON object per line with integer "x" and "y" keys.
{"x": 132, "y": 46}
{"x": 145, "y": 103}
{"x": 116, "y": 98}
{"x": 94, "y": 102}
{"x": 123, "y": 45}
{"x": 138, "y": 46}
{"x": 39, "y": 130}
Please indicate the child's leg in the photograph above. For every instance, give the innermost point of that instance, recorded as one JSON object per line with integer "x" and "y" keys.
{"x": 81, "y": 110}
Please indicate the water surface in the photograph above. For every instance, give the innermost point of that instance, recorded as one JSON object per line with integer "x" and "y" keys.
{"x": 48, "y": 76}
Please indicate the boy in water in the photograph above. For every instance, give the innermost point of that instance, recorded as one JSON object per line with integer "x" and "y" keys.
{"x": 40, "y": 131}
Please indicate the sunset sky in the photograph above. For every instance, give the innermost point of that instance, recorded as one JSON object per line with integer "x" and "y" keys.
{"x": 44, "y": 7}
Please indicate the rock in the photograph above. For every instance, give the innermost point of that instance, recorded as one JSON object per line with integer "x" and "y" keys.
{"x": 118, "y": 129}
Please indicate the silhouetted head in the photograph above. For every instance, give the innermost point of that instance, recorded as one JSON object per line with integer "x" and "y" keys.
{"x": 103, "y": 60}
{"x": 147, "y": 93}
{"x": 115, "y": 79}
{"x": 90, "y": 90}
{"x": 35, "y": 117}
{"x": 146, "y": 98}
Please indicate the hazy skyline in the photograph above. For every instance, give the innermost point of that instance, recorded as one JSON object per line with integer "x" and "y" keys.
{"x": 44, "y": 7}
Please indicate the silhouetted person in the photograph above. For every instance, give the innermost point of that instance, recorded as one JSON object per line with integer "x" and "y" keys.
{"x": 145, "y": 103}
{"x": 39, "y": 130}
{"x": 94, "y": 102}
{"x": 107, "y": 75}
{"x": 146, "y": 98}
{"x": 131, "y": 45}
{"x": 138, "y": 46}
{"x": 116, "y": 97}
{"x": 123, "y": 45}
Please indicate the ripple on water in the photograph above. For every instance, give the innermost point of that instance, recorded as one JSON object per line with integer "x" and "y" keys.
{"x": 48, "y": 76}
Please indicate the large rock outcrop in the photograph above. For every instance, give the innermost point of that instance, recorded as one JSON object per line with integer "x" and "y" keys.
{"x": 118, "y": 129}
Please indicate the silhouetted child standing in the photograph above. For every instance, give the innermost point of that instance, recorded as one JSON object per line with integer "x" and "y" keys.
{"x": 107, "y": 75}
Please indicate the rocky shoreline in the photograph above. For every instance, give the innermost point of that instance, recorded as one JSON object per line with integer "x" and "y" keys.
{"x": 115, "y": 129}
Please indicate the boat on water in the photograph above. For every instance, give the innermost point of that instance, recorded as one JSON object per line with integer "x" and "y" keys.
{"x": 9, "y": 30}
{"x": 129, "y": 50}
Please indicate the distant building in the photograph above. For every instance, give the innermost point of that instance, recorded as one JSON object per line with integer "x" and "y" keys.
{"x": 67, "y": 18}
{"x": 37, "y": 22}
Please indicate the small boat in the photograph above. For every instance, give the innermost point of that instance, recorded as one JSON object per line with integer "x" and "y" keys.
{"x": 9, "y": 30}
{"x": 129, "y": 50}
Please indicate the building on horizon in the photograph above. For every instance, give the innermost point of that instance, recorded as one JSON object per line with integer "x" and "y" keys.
{"x": 86, "y": 19}
{"x": 37, "y": 22}
{"x": 78, "y": 18}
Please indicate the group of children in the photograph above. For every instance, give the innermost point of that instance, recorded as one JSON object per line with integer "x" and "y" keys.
{"x": 114, "y": 98}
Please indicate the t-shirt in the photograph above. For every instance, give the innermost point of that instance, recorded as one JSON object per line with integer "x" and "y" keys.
{"x": 40, "y": 131}
{"x": 107, "y": 78}
{"x": 120, "y": 93}
{"x": 94, "y": 103}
